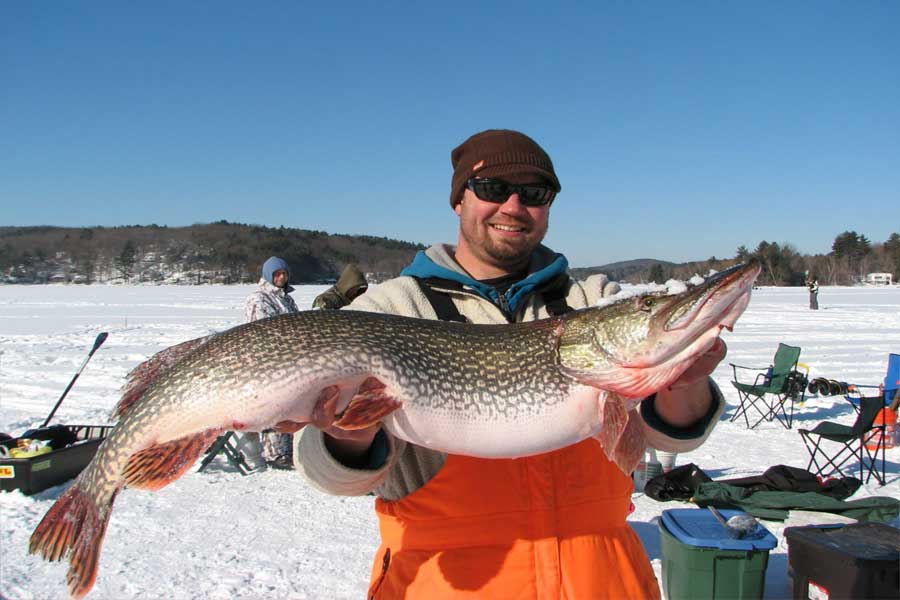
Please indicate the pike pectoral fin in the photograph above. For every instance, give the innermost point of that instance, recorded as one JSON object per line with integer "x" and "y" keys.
{"x": 160, "y": 464}
{"x": 368, "y": 406}
{"x": 631, "y": 446}
{"x": 614, "y": 419}
{"x": 75, "y": 523}
{"x": 622, "y": 435}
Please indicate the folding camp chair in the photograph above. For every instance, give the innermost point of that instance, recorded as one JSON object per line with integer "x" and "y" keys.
{"x": 774, "y": 391}
{"x": 889, "y": 385}
{"x": 229, "y": 445}
{"x": 892, "y": 379}
{"x": 855, "y": 441}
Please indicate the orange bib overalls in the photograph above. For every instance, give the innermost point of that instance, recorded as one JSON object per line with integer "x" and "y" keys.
{"x": 550, "y": 526}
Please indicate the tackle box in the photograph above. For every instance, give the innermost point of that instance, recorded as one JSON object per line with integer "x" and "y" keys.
{"x": 858, "y": 561}
{"x": 38, "y": 472}
{"x": 701, "y": 560}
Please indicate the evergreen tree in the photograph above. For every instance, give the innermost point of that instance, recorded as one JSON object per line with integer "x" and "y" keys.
{"x": 892, "y": 249}
{"x": 126, "y": 259}
{"x": 657, "y": 275}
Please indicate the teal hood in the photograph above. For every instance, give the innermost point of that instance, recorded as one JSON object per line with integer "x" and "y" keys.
{"x": 423, "y": 267}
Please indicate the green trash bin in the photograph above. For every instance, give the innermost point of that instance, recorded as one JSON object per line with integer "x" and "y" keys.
{"x": 701, "y": 560}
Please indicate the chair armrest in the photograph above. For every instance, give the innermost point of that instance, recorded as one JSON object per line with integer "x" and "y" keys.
{"x": 760, "y": 379}
{"x": 855, "y": 391}
{"x": 750, "y": 368}
{"x": 760, "y": 373}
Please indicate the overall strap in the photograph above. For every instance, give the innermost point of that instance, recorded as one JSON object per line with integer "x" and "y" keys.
{"x": 554, "y": 296}
{"x": 441, "y": 303}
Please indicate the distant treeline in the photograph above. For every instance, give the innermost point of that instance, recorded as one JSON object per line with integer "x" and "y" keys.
{"x": 853, "y": 256}
{"x": 220, "y": 252}
{"x": 224, "y": 252}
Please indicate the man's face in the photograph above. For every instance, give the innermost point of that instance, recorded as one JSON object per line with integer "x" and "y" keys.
{"x": 279, "y": 278}
{"x": 499, "y": 237}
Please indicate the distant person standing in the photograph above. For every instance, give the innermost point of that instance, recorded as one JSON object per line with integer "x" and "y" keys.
{"x": 813, "y": 285}
{"x": 270, "y": 299}
{"x": 272, "y": 293}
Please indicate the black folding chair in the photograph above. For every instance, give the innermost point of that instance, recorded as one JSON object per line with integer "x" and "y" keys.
{"x": 774, "y": 390}
{"x": 227, "y": 444}
{"x": 854, "y": 443}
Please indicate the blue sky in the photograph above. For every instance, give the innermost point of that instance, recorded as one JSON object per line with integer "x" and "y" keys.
{"x": 679, "y": 130}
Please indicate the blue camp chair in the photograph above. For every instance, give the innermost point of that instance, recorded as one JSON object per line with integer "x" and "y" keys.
{"x": 891, "y": 383}
{"x": 892, "y": 379}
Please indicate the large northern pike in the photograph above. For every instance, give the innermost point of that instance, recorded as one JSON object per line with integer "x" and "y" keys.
{"x": 480, "y": 390}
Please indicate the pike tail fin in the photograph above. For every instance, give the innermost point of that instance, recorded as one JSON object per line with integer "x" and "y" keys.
{"x": 158, "y": 465}
{"x": 74, "y": 525}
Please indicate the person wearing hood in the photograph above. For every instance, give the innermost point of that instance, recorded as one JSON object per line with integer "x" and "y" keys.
{"x": 272, "y": 292}
{"x": 271, "y": 298}
{"x": 551, "y": 525}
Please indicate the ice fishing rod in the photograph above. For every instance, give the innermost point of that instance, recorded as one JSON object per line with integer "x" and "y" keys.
{"x": 101, "y": 337}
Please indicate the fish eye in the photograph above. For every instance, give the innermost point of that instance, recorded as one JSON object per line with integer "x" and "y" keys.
{"x": 647, "y": 304}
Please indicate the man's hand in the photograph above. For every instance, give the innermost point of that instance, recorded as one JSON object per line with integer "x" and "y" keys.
{"x": 346, "y": 445}
{"x": 687, "y": 400}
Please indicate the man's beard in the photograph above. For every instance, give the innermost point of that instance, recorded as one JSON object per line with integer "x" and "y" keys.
{"x": 502, "y": 254}
{"x": 509, "y": 254}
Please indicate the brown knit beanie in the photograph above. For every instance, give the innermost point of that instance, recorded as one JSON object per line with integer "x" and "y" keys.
{"x": 495, "y": 153}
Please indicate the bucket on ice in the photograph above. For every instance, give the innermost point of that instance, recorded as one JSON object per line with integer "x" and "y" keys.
{"x": 888, "y": 418}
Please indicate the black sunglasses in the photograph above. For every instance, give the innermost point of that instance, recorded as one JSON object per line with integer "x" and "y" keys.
{"x": 498, "y": 191}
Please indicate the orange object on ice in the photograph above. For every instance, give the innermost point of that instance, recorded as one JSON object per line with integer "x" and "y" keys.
{"x": 545, "y": 526}
{"x": 888, "y": 418}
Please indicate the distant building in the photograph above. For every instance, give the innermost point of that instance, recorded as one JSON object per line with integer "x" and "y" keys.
{"x": 879, "y": 279}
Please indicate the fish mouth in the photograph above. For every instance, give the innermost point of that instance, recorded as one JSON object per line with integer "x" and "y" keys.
{"x": 696, "y": 316}
{"x": 729, "y": 288}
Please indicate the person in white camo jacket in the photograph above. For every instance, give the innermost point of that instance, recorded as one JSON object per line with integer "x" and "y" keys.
{"x": 272, "y": 298}
{"x": 272, "y": 293}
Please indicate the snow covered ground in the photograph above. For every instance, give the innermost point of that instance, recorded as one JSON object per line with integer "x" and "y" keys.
{"x": 217, "y": 534}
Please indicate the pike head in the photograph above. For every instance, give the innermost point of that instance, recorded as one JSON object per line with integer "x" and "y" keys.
{"x": 640, "y": 344}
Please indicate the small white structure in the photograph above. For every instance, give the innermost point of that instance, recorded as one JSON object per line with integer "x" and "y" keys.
{"x": 879, "y": 279}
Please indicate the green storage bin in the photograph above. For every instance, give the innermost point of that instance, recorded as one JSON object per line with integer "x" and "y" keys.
{"x": 700, "y": 560}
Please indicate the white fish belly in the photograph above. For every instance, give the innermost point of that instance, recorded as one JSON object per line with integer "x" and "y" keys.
{"x": 245, "y": 410}
{"x": 566, "y": 422}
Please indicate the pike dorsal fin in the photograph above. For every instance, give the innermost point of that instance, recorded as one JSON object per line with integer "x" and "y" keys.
{"x": 142, "y": 376}
{"x": 158, "y": 465}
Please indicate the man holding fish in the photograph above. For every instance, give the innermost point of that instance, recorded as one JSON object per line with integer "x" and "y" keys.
{"x": 549, "y": 525}
{"x": 480, "y": 438}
